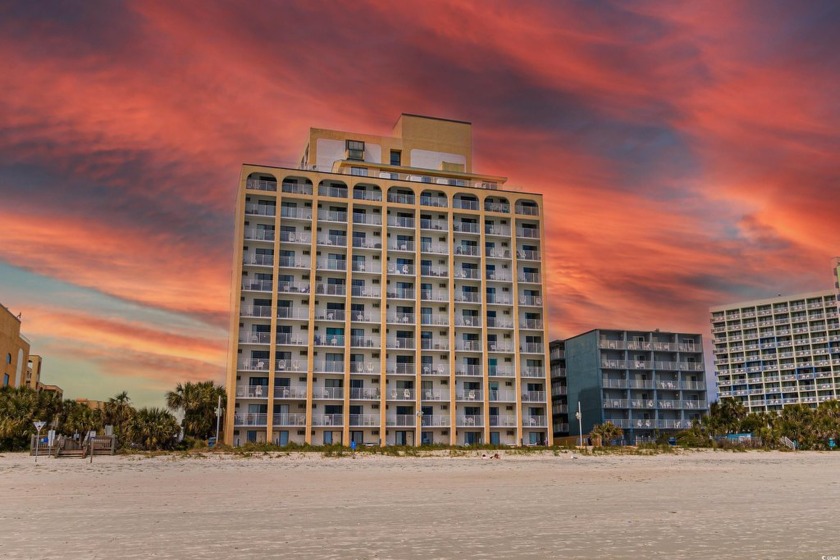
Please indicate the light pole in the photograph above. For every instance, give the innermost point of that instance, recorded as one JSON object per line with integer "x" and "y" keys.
{"x": 580, "y": 425}
{"x": 39, "y": 425}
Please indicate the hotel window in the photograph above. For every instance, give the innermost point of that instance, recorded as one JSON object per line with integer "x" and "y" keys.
{"x": 355, "y": 150}
{"x": 396, "y": 157}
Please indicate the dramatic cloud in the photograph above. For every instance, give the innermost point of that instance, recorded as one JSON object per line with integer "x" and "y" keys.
{"x": 688, "y": 152}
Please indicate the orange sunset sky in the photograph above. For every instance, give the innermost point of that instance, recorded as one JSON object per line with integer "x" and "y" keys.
{"x": 688, "y": 152}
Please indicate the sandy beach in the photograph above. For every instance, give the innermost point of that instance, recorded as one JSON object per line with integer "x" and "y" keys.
{"x": 692, "y": 505}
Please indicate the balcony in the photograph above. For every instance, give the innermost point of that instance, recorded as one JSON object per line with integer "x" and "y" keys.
{"x": 329, "y": 340}
{"x": 365, "y": 243}
{"x": 296, "y": 287}
{"x": 327, "y": 419}
{"x": 497, "y": 230}
{"x": 369, "y": 368}
{"x": 363, "y": 218}
{"x": 464, "y": 204}
{"x": 468, "y": 345}
{"x": 330, "y": 315}
{"x": 434, "y": 271}
{"x": 499, "y": 346}
{"x": 534, "y": 422}
{"x": 530, "y": 277}
{"x": 400, "y": 343}
{"x": 364, "y": 342}
{"x": 532, "y": 324}
{"x": 329, "y": 367}
{"x": 331, "y": 289}
{"x": 435, "y": 395}
{"x": 434, "y": 344}
{"x": 467, "y": 251}
{"x": 294, "y": 237}
{"x": 470, "y": 420}
{"x": 328, "y": 393}
{"x": 468, "y": 321}
{"x": 467, "y": 297}
{"x": 366, "y": 292}
{"x": 528, "y": 255}
{"x": 291, "y": 339}
{"x": 297, "y": 366}
{"x": 533, "y": 396}
{"x": 250, "y": 419}
{"x": 400, "y": 368}
{"x": 467, "y": 274}
{"x": 289, "y": 419}
{"x": 287, "y": 262}
{"x": 500, "y": 299}
{"x": 466, "y": 227}
{"x": 254, "y": 337}
{"x": 529, "y": 233}
{"x": 436, "y": 369}
{"x": 364, "y": 394}
{"x": 333, "y": 240}
{"x": 499, "y": 323}
{"x": 439, "y": 320}
{"x": 501, "y": 395}
{"x": 435, "y": 421}
{"x": 404, "y": 318}
{"x": 253, "y": 364}
{"x": 503, "y": 421}
{"x": 434, "y": 295}
{"x": 532, "y": 347}
{"x": 293, "y": 392}
{"x": 297, "y": 188}
{"x": 255, "y": 311}
{"x": 401, "y": 293}
{"x": 258, "y": 260}
{"x": 400, "y": 221}
{"x": 500, "y": 371}
{"x": 472, "y": 370}
{"x": 361, "y": 420}
{"x": 530, "y": 300}
{"x": 433, "y": 201}
{"x": 468, "y": 395}
{"x": 401, "y": 420}
{"x": 401, "y": 269}
{"x": 332, "y": 216}
{"x": 432, "y": 224}
{"x": 252, "y": 392}
{"x": 332, "y": 264}
{"x": 400, "y": 198}
{"x": 434, "y": 248}
{"x": 254, "y": 285}
{"x": 260, "y": 185}
{"x": 401, "y": 394}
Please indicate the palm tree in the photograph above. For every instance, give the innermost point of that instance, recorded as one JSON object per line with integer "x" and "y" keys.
{"x": 608, "y": 432}
{"x": 19, "y": 408}
{"x": 198, "y": 402}
{"x": 119, "y": 413}
{"x": 726, "y": 417}
{"x": 154, "y": 428}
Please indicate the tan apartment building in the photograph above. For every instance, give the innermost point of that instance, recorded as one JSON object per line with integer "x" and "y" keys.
{"x": 33, "y": 371}
{"x": 384, "y": 293}
{"x": 14, "y": 350}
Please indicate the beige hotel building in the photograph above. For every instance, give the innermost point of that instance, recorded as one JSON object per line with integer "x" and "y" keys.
{"x": 385, "y": 294}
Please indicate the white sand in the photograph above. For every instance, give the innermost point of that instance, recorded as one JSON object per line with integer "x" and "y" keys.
{"x": 695, "y": 505}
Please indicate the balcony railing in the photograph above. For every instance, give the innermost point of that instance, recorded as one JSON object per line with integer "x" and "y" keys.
{"x": 434, "y": 295}
{"x": 466, "y": 227}
{"x": 331, "y": 289}
{"x": 528, "y": 255}
{"x": 293, "y": 287}
{"x": 401, "y": 394}
{"x": 505, "y": 420}
{"x": 290, "y": 262}
{"x": 440, "y": 320}
{"x": 468, "y": 395}
{"x": 297, "y": 188}
{"x": 401, "y": 246}
{"x": 295, "y": 392}
{"x": 291, "y": 339}
{"x": 470, "y": 420}
{"x": 530, "y": 300}
{"x": 252, "y": 392}
{"x": 333, "y": 240}
{"x": 434, "y": 201}
{"x": 258, "y": 311}
{"x": 500, "y": 371}
{"x": 533, "y": 396}
{"x": 468, "y": 273}
{"x": 499, "y": 323}
{"x": 294, "y": 237}
{"x": 254, "y": 337}
{"x": 434, "y": 248}
{"x": 253, "y": 364}
{"x": 404, "y": 269}
{"x": 401, "y": 293}
{"x": 501, "y": 395}
{"x": 329, "y": 340}
{"x": 365, "y": 342}
{"x": 465, "y": 204}
{"x": 258, "y": 260}
{"x": 468, "y": 369}
{"x": 331, "y": 393}
{"x": 332, "y": 264}
{"x": 435, "y": 421}
{"x": 436, "y": 369}
{"x": 254, "y": 209}
{"x": 467, "y": 320}
{"x": 467, "y": 297}
{"x": 532, "y": 277}
{"x": 330, "y": 314}
{"x": 401, "y": 368}
{"x": 366, "y": 291}
{"x": 531, "y": 233}
{"x": 468, "y": 345}
{"x": 371, "y": 420}
{"x": 434, "y": 343}
{"x": 260, "y": 185}
{"x": 407, "y": 318}
{"x": 533, "y": 372}
{"x": 534, "y": 422}
{"x": 467, "y": 250}
{"x": 297, "y": 366}
{"x": 289, "y": 419}
{"x": 329, "y": 367}
{"x": 499, "y": 230}
{"x": 531, "y": 323}
{"x": 250, "y": 419}
{"x": 332, "y": 216}
{"x": 400, "y": 222}
{"x": 400, "y": 198}
{"x": 294, "y": 213}
{"x": 327, "y": 419}
{"x": 364, "y": 394}
{"x": 434, "y": 271}
{"x": 499, "y": 346}
{"x": 433, "y": 224}
{"x": 404, "y": 420}
{"x": 256, "y": 285}
{"x": 532, "y": 347}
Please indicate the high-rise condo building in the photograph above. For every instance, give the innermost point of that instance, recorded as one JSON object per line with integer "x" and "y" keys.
{"x": 385, "y": 294}
{"x": 559, "y": 388}
{"x": 778, "y": 351}
{"x": 645, "y": 382}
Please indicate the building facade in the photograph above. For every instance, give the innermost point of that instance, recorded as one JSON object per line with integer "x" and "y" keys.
{"x": 559, "y": 389}
{"x": 645, "y": 382}
{"x": 14, "y": 350}
{"x": 385, "y": 294}
{"x": 33, "y": 371}
{"x": 778, "y": 351}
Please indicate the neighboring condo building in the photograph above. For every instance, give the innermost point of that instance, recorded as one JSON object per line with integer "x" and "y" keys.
{"x": 774, "y": 352}
{"x": 14, "y": 350}
{"x": 559, "y": 389}
{"x": 384, "y": 293}
{"x": 645, "y": 382}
